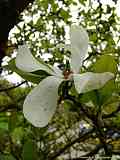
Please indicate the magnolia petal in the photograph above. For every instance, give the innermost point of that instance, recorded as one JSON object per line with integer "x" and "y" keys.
{"x": 57, "y": 72}
{"x": 79, "y": 46}
{"x": 88, "y": 81}
{"x": 25, "y": 61}
{"x": 40, "y": 104}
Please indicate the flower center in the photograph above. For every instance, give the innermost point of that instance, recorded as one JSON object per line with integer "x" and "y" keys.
{"x": 67, "y": 74}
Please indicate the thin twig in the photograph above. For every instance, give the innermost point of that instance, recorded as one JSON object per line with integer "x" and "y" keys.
{"x": 13, "y": 87}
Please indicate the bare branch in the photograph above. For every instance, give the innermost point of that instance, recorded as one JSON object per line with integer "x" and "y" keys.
{"x": 13, "y": 87}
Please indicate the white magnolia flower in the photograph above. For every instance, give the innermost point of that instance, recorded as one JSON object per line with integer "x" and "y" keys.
{"x": 40, "y": 104}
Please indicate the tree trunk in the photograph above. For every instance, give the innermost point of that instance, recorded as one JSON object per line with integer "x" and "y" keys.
{"x": 9, "y": 17}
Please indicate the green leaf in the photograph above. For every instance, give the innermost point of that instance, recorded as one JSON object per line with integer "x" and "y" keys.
{"x": 88, "y": 98}
{"x": 82, "y": 2}
{"x": 105, "y": 63}
{"x": 94, "y": 37}
{"x": 68, "y": 106}
{"x": 3, "y": 122}
{"x": 107, "y": 91}
{"x": 64, "y": 14}
{"x": 12, "y": 122}
{"x": 4, "y": 125}
{"x": 7, "y": 157}
{"x": 18, "y": 134}
{"x": 55, "y": 7}
{"x": 40, "y": 24}
{"x": 29, "y": 151}
{"x": 111, "y": 105}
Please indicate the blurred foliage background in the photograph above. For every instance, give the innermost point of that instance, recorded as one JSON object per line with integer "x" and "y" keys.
{"x": 86, "y": 125}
